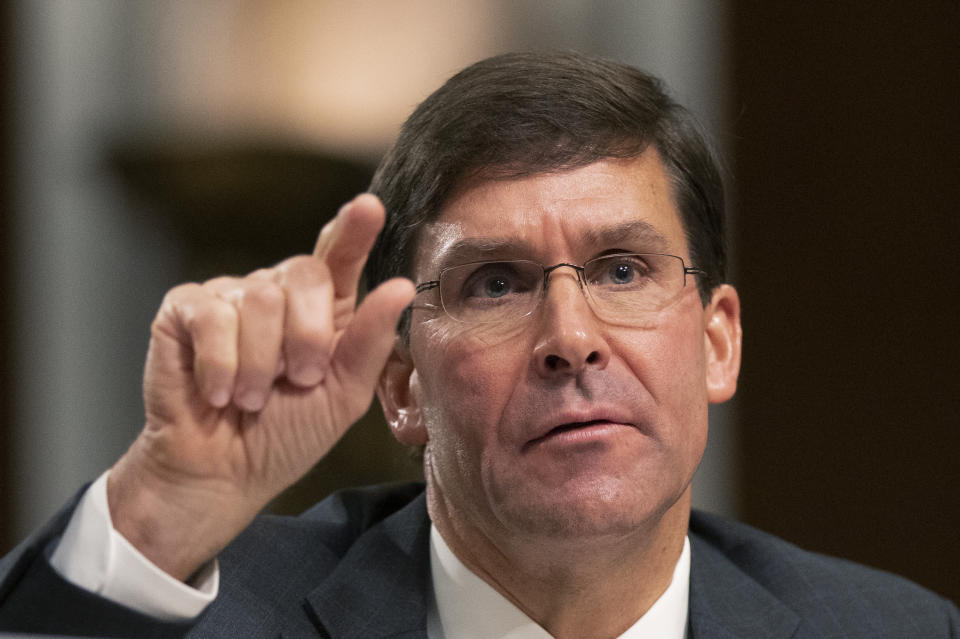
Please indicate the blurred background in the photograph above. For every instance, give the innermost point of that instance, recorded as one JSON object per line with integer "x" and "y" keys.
{"x": 149, "y": 143}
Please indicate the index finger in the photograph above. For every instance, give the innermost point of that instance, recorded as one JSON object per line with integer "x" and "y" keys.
{"x": 345, "y": 241}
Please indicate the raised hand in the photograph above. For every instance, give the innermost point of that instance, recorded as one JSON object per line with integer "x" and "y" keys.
{"x": 248, "y": 383}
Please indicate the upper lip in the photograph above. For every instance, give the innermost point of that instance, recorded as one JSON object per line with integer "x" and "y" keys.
{"x": 580, "y": 417}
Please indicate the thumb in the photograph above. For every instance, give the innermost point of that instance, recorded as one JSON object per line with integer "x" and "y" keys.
{"x": 367, "y": 341}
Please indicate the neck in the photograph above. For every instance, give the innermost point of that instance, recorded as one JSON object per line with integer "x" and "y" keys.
{"x": 584, "y": 588}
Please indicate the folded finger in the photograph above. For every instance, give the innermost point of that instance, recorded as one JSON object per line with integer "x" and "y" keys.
{"x": 260, "y": 307}
{"x": 308, "y": 319}
{"x": 211, "y": 324}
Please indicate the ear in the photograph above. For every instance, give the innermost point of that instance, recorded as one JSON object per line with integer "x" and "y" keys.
{"x": 723, "y": 339}
{"x": 397, "y": 390}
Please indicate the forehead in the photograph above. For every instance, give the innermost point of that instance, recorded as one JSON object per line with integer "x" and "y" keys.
{"x": 565, "y": 215}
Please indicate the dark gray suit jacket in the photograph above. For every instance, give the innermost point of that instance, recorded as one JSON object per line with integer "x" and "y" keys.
{"x": 357, "y": 566}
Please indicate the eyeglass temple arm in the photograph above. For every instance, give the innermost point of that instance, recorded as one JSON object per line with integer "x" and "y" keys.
{"x": 691, "y": 270}
{"x": 426, "y": 286}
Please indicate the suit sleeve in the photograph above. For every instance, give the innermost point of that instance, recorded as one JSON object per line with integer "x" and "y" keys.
{"x": 35, "y": 598}
{"x": 954, "y": 614}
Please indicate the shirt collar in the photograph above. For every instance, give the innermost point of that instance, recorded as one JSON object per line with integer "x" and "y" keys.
{"x": 465, "y": 606}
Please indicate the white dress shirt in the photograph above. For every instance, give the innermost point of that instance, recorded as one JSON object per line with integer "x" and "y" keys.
{"x": 467, "y": 607}
{"x": 96, "y": 557}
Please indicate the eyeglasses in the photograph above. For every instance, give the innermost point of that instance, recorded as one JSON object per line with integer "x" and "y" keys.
{"x": 619, "y": 287}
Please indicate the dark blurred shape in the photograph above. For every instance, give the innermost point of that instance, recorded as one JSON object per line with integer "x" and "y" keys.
{"x": 238, "y": 207}
{"x": 6, "y": 273}
{"x": 847, "y": 234}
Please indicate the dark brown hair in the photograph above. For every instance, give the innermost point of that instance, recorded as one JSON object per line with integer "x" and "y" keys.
{"x": 525, "y": 113}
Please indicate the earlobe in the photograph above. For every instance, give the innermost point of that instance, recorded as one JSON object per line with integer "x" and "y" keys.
{"x": 723, "y": 339}
{"x": 398, "y": 393}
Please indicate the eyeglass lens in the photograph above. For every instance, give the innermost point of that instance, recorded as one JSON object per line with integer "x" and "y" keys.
{"x": 618, "y": 286}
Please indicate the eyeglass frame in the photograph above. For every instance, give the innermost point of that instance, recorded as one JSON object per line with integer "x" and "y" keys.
{"x": 428, "y": 285}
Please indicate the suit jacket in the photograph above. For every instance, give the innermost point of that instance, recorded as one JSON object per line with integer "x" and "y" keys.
{"x": 357, "y": 566}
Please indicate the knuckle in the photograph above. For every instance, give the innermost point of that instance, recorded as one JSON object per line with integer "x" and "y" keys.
{"x": 220, "y": 283}
{"x": 302, "y": 269}
{"x": 179, "y": 307}
{"x": 216, "y": 314}
{"x": 180, "y": 293}
{"x": 159, "y": 326}
{"x": 298, "y": 263}
{"x": 264, "y": 294}
{"x": 223, "y": 287}
{"x": 261, "y": 274}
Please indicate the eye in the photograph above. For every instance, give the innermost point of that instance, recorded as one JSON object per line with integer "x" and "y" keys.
{"x": 618, "y": 271}
{"x": 495, "y": 280}
{"x": 493, "y": 286}
{"x": 621, "y": 273}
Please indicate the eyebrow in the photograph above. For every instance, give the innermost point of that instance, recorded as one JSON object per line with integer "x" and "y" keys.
{"x": 635, "y": 235}
{"x": 475, "y": 249}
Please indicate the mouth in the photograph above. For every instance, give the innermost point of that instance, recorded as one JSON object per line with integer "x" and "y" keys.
{"x": 564, "y": 428}
{"x": 581, "y": 432}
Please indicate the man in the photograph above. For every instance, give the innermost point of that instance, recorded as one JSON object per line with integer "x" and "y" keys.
{"x": 557, "y": 223}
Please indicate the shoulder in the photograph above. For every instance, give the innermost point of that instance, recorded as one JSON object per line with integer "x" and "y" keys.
{"x": 277, "y": 561}
{"x": 331, "y": 525}
{"x": 826, "y": 592}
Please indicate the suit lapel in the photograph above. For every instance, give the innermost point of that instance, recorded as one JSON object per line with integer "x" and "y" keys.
{"x": 726, "y": 603}
{"x": 381, "y": 587}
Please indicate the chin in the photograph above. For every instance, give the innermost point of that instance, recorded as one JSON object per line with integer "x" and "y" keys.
{"x": 598, "y": 509}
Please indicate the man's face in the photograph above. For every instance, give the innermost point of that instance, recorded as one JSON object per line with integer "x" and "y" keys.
{"x": 560, "y": 423}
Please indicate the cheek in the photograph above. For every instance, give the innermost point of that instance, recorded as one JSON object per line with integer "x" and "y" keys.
{"x": 669, "y": 362}
{"x": 679, "y": 365}
{"x": 468, "y": 377}
{"x": 683, "y": 380}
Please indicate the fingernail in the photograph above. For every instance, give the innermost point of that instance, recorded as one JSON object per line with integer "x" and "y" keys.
{"x": 250, "y": 401}
{"x": 220, "y": 398}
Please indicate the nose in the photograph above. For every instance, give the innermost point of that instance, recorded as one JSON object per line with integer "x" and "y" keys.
{"x": 570, "y": 337}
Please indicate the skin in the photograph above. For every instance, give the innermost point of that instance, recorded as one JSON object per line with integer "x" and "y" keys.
{"x": 580, "y": 528}
{"x": 249, "y": 381}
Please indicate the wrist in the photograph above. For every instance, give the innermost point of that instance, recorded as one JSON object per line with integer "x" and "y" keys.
{"x": 179, "y": 526}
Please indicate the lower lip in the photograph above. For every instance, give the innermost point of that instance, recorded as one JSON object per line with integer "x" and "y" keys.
{"x": 588, "y": 434}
